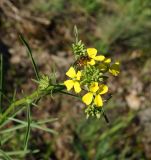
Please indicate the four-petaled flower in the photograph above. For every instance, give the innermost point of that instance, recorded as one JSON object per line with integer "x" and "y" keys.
{"x": 92, "y": 52}
{"x": 74, "y": 81}
{"x": 95, "y": 92}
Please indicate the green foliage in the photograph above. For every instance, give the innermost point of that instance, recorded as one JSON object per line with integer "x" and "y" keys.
{"x": 20, "y": 132}
{"x": 101, "y": 141}
{"x": 128, "y": 24}
{"x": 4, "y": 155}
{"x": 47, "y": 6}
{"x": 90, "y": 6}
{"x": 118, "y": 23}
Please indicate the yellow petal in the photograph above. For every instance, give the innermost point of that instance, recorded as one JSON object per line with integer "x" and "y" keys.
{"x": 92, "y": 52}
{"x": 98, "y": 101}
{"x": 77, "y": 87}
{"x": 91, "y": 62}
{"x": 94, "y": 87}
{"x": 107, "y": 60}
{"x": 115, "y": 69}
{"x": 71, "y": 72}
{"x": 69, "y": 84}
{"x": 99, "y": 58}
{"x": 87, "y": 98}
{"x": 78, "y": 75}
{"x": 103, "y": 89}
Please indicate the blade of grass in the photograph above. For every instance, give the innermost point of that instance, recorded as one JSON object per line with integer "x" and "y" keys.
{"x": 24, "y": 124}
{"x": 30, "y": 55}
{"x": 5, "y": 155}
{"x": 20, "y": 153}
{"x": 12, "y": 128}
{"x": 44, "y": 129}
{"x": 39, "y": 122}
{"x": 28, "y": 128}
{"x": 47, "y": 121}
{"x": 8, "y": 119}
{"x": 34, "y": 125}
{"x": 6, "y": 138}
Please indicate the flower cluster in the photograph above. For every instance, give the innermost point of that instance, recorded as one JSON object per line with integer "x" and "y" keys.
{"x": 88, "y": 76}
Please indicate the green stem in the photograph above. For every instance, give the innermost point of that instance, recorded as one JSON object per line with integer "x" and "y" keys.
{"x": 36, "y": 95}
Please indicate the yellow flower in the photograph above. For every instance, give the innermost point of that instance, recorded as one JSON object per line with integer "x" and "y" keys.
{"x": 74, "y": 81}
{"x": 95, "y": 92}
{"x": 115, "y": 68}
{"x": 92, "y": 52}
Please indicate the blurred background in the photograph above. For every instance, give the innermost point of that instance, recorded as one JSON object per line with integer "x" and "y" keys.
{"x": 120, "y": 29}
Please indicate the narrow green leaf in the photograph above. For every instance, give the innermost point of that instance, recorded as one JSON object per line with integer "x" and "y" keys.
{"x": 44, "y": 128}
{"x": 28, "y": 128}
{"x": 34, "y": 125}
{"x": 19, "y": 153}
{"x": 31, "y": 56}
{"x": 5, "y": 155}
{"x": 6, "y": 138}
{"x": 13, "y": 128}
{"x": 47, "y": 121}
{"x": 9, "y": 119}
{"x": 38, "y": 123}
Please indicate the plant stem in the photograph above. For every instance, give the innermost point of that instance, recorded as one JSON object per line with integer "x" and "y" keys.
{"x": 35, "y": 96}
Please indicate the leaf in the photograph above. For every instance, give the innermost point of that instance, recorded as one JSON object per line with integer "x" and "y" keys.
{"x": 30, "y": 55}
{"x": 28, "y": 128}
{"x": 5, "y": 155}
